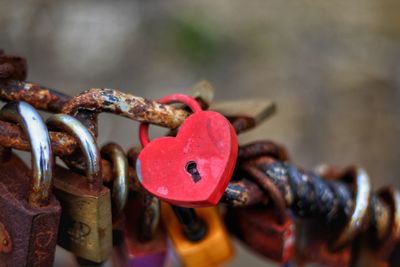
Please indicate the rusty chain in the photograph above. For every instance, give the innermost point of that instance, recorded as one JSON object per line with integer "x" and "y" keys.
{"x": 306, "y": 193}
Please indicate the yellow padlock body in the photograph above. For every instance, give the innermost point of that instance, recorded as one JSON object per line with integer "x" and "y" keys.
{"x": 85, "y": 226}
{"x": 215, "y": 249}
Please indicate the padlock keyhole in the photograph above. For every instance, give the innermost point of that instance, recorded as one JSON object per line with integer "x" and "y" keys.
{"x": 191, "y": 168}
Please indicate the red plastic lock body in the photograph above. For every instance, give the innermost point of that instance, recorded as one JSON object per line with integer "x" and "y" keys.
{"x": 260, "y": 230}
{"x": 194, "y": 168}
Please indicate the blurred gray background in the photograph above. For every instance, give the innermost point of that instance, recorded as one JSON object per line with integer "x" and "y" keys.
{"x": 332, "y": 67}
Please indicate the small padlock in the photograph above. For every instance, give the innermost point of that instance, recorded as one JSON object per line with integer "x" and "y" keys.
{"x": 269, "y": 231}
{"x": 29, "y": 217}
{"x": 312, "y": 248}
{"x": 198, "y": 236}
{"x": 86, "y": 226}
{"x": 119, "y": 187}
{"x": 204, "y": 154}
{"x": 261, "y": 229}
{"x": 144, "y": 241}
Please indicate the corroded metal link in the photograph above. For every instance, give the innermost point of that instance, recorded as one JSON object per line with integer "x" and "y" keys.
{"x": 87, "y": 105}
{"x": 12, "y": 136}
{"x": 243, "y": 193}
{"x": 262, "y": 148}
{"x": 307, "y": 194}
{"x": 12, "y": 67}
{"x": 311, "y": 196}
{"x": 38, "y": 96}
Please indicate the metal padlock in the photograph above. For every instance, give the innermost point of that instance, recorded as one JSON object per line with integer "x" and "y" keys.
{"x": 313, "y": 248}
{"x": 29, "y": 213}
{"x": 267, "y": 233}
{"x": 210, "y": 246}
{"x": 86, "y": 226}
{"x": 144, "y": 241}
{"x": 119, "y": 187}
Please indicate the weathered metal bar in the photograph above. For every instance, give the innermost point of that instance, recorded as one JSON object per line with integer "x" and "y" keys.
{"x": 87, "y": 105}
{"x": 38, "y": 96}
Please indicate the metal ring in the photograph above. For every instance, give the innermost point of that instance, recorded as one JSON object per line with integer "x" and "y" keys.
{"x": 362, "y": 194}
{"x": 270, "y": 188}
{"x": 262, "y": 148}
{"x": 42, "y": 155}
{"x": 87, "y": 144}
{"x": 151, "y": 211}
{"x": 392, "y": 198}
{"x": 187, "y": 100}
{"x": 116, "y": 155}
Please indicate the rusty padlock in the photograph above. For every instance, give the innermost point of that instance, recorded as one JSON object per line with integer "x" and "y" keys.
{"x": 269, "y": 231}
{"x": 86, "y": 226}
{"x": 266, "y": 231}
{"x": 12, "y": 67}
{"x": 144, "y": 241}
{"x": 29, "y": 213}
{"x": 198, "y": 235}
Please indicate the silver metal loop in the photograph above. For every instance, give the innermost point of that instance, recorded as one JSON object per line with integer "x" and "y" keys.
{"x": 119, "y": 161}
{"x": 362, "y": 194}
{"x": 34, "y": 127}
{"x": 86, "y": 142}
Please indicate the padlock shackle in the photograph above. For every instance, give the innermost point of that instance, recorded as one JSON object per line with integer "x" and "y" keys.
{"x": 270, "y": 188}
{"x": 42, "y": 159}
{"x": 87, "y": 144}
{"x": 391, "y": 197}
{"x": 174, "y": 98}
{"x": 360, "y": 180}
{"x": 120, "y": 183}
{"x": 193, "y": 228}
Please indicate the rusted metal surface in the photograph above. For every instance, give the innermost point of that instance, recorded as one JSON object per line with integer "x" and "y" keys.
{"x": 87, "y": 105}
{"x": 38, "y": 96}
{"x": 262, "y": 148}
{"x": 33, "y": 231}
{"x": 310, "y": 196}
{"x": 242, "y": 123}
{"x": 306, "y": 193}
{"x": 243, "y": 193}
{"x": 12, "y": 67}
{"x": 13, "y": 137}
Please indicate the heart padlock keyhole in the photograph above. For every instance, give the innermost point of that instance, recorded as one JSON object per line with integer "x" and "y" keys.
{"x": 191, "y": 168}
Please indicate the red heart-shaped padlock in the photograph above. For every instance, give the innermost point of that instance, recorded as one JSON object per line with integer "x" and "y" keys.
{"x": 194, "y": 168}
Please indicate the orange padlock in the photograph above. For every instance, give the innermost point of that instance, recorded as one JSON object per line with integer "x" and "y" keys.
{"x": 212, "y": 247}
